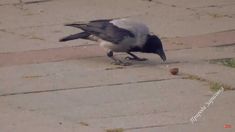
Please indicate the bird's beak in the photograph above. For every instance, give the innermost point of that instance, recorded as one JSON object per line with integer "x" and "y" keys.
{"x": 161, "y": 53}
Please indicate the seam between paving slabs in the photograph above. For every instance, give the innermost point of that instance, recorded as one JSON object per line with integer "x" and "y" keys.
{"x": 146, "y": 127}
{"x": 153, "y": 126}
{"x": 83, "y": 87}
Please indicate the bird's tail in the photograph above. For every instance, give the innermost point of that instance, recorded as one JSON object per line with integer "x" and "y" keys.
{"x": 82, "y": 35}
{"x": 75, "y": 25}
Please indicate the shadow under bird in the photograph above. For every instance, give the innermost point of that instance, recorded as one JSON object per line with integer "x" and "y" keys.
{"x": 119, "y": 35}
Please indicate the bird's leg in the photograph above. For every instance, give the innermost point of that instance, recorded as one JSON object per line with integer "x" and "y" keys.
{"x": 116, "y": 61}
{"x": 134, "y": 57}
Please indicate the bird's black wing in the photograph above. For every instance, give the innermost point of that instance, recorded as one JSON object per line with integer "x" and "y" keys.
{"x": 104, "y": 30}
{"x": 82, "y": 35}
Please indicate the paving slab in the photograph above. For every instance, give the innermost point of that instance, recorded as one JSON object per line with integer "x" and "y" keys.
{"x": 75, "y": 74}
{"x": 16, "y": 119}
{"x": 214, "y": 118}
{"x": 126, "y": 106}
{"x": 50, "y": 86}
{"x": 100, "y": 72}
{"x": 40, "y": 24}
{"x": 214, "y": 72}
{"x": 209, "y": 47}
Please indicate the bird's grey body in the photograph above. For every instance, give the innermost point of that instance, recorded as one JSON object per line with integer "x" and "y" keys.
{"x": 119, "y": 35}
{"x": 139, "y": 30}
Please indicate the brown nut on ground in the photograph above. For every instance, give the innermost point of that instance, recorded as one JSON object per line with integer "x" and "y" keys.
{"x": 174, "y": 71}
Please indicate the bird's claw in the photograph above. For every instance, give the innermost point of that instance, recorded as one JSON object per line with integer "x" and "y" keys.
{"x": 136, "y": 59}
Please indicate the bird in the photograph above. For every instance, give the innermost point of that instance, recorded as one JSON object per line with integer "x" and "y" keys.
{"x": 119, "y": 35}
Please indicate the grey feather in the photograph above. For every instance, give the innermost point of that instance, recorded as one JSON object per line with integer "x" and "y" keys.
{"x": 104, "y": 30}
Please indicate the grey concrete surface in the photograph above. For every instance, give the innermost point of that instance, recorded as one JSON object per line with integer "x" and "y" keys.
{"x": 72, "y": 87}
{"x": 39, "y": 25}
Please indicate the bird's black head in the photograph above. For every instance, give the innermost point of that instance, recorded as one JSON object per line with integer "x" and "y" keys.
{"x": 154, "y": 45}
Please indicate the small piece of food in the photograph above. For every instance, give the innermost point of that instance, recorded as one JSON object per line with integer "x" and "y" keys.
{"x": 174, "y": 71}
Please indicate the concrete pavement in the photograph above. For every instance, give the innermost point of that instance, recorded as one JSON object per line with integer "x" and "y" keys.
{"x": 50, "y": 86}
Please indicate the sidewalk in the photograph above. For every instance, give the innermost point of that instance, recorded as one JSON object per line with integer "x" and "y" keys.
{"x": 50, "y": 86}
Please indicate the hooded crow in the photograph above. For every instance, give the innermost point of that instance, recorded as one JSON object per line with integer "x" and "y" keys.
{"x": 119, "y": 35}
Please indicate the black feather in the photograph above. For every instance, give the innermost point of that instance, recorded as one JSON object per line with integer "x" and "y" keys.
{"x": 82, "y": 35}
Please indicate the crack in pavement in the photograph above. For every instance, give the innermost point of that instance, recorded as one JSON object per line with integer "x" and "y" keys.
{"x": 36, "y": 1}
{"x": 224, "y": 45}
{"x": 27, "y": 2}
{"x": 83, "y": 87}
{"x": 153, "y": 126}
